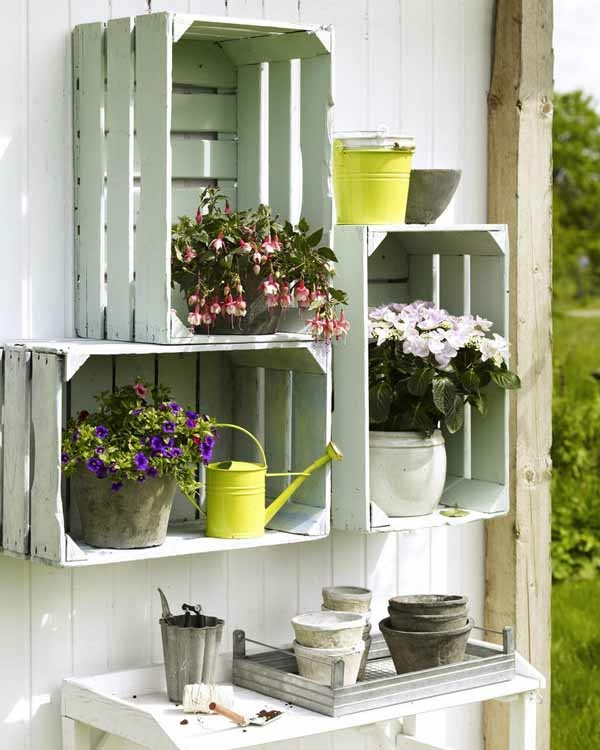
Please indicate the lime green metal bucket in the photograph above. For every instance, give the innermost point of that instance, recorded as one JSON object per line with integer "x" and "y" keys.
{"x": 371, "y": 175}
{"x": 236, "y": 492}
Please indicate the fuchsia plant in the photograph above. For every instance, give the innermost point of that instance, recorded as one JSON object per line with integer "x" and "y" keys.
{"x": 425, "y": 364}
{"x": 224, "y": 259}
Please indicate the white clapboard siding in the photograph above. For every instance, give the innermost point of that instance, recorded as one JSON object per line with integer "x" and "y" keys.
{"x": 315, "y": 139}
{"x": 90, "y": 159}
{"x": 251, "y": 128}
{"x": 47, "y": 520}
{"x": 119, "y": 183}
{"x": 153, "y": 126}
{"x": 15, "y": 454}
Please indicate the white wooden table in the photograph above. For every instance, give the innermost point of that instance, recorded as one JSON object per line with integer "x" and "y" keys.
{"x": 133, "y": 711}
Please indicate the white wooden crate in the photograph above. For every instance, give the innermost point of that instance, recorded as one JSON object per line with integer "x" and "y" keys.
{"x": 164, "y": 105}
{"x": 280, "y": 391}
{"x": 464, "y": 269}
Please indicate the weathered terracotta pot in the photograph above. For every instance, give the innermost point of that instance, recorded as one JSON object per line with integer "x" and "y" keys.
{"x": 136, "y": 516}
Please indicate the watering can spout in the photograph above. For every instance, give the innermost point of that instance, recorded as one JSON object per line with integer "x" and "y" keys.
{"x": 332, "y": 453}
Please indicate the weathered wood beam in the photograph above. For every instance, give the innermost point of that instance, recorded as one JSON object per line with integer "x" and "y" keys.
{"x": 518, "y": 573}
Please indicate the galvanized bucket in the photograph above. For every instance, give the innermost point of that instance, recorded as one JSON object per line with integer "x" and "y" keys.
{"x": 191, "y": 643}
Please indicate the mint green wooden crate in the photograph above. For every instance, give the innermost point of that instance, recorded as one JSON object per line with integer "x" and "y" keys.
{"x": 165, "y": 104}
{"x": 464, "y": 269}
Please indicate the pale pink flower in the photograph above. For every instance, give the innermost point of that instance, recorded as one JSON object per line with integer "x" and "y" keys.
{"x": 215, "y": 308}
{"x": 198, "y": 216}
{"x": 285, "y": 298}
{"x": 189, "y": 254}
{"x": 247, "y": 247}
{"x": 229, "y": 306}
{"x": 302, "y": 294}
{"x": 227, "y": 207}
{"x": 140, "y": 390}
{"x": 240, "y": 307}
{"x": 218, "y": 243}
{"x": 267, "y": 245}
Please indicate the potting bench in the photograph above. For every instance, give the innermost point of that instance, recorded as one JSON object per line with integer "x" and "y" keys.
{"x": 133, "y": 706}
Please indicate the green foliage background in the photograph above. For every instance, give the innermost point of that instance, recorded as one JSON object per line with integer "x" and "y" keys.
{"x": 576, "y": 402}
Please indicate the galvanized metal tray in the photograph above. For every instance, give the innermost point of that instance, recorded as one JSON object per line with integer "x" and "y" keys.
{"x": 274, "y": 673}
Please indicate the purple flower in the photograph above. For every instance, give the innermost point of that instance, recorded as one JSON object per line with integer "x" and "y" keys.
{"x": 191, "y": 422}
{"x": 102, "y": 473}
{"x": 168, "y": 426}
{"x": 209, "y": 441}
{"x": 152, "y": 471}
{"x": 99, "y": 450}
{"x": 101, "y": 432}
{"x": 176, "y": 452}
{"x": 136, "y": 412}
{"x": 162, "y": 407}
{"x": 75, "y": 437}
{"x": 95, "y": 464}
{"x": 206, "y": 452}
{"x": 191, "y": 414}
{"x": 175, "y": 408}
{"x": 141, "y": 477}
{"x": 113, "y": 468}
{"x": 116, "y": 486}
{"x": 64, "y": 458}
{"x": 140, "y": 461}
{"x": 156, "y": 443}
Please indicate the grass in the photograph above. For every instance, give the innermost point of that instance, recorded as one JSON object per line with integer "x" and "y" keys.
{"x": 576, "y": 665}
{"x": 576, "y": 355}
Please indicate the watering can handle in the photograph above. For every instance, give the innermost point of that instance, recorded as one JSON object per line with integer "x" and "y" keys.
{"x": 250, "y": 435}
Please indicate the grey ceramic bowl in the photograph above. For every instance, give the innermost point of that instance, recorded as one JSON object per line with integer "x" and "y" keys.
{"x": 429, "y": 193}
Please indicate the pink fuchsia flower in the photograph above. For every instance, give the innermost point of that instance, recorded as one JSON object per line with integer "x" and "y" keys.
{"x": 317, "y": 325}
{"x": 140, "y": 390}
{"x": 193, "y": 299}
{"x": 276, "y": 244}
{"x": 285, "y": 298}
{"x": 247, "y": 247}
{"x": 256, "y": 269}
{"x": 227, "y": 207}
{"x": 218, "y": 243}
{"x": 302, "y": 294}
{"x": 189, "y": 254}
{"x": 198, "y": 216}
{"x": 318, "y": 296}
{"x": 269, "y": 287}
{"x": 195, "y": 318}
{"x": 229, "y": 306}
{"x": 267, "y": 245}
{"x": 215, "y": 307}
{"x": 341, "y": 326}
{"x": 240, "y": 307}
{"x": 207, "y": 317}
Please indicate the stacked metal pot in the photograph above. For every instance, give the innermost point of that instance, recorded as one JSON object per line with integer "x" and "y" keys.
{"x": 426, "y": 631}
{"x": 339, "y": 633}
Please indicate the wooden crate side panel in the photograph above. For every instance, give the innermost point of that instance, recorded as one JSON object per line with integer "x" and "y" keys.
{"x": 252, "y": 130}
{"x": 119, "y": 187}
{"x": 200, "y": 159}
{"x": 195, "y": 112}
{"x": 198, "y": 63}
{"x": 153, "y": 126}
{"x": 452, "y": 269}
{"x": 278, "y": 427}
{"x": 47, "y": 520}
{"x": 388, "y": 275}
{"x": 16, "y": 449}
{"x": 350, "y": 503}
{"x": 89, "y": 176}
{"x": 315, "y": 138}
{"x": 489, "y": 298}
{"x": 421, "y": 282}
{"x": 248, "y": 412}
{"x": 284, "y": 143}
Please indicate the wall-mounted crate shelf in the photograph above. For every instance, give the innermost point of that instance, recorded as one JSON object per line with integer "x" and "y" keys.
{"x": 278, "y": 388}
{"x": 164, "y": 105}
{"x": 464, "y": 269}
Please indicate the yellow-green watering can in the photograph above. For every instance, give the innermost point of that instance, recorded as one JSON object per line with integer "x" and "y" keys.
{"x": 236, "y": 492}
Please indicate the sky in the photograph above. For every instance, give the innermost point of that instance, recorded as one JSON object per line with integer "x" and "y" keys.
{"x": 577, "y": 46}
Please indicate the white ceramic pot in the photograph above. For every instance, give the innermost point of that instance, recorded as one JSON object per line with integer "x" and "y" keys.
{"x": 408, "y": 471}
{"x": 316, "y": 663}
{"x": 328, "y": 629}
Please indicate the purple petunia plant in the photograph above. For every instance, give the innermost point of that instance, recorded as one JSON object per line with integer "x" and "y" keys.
{"x": 426, "y": 364}
{"x": 139, "y": 433}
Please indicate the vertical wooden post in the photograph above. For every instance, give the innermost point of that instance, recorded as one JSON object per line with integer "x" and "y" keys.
{"x": 519, "y": 194}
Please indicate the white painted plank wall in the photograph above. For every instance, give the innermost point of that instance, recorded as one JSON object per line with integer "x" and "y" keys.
{"x": 421, "y": 67}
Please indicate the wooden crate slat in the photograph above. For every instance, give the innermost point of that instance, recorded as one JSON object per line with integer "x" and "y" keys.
{"x": 279, "y": 47}
{"x": 16, "y": 449}
{"x": 452, "y": 298}
{"x": 489, "y": 449}
{"x": 251, "y": 128}
{"x": 89, "y": 176}
{"x": 153, "y": 125}
{"x": 215, "y": 386}
{"x": 278, "y": 426}
{"x": 284, "y": 140}
{"x": 197, "y": 63}
{"x": 248, "y": 412}
{"x": 202, "y": 159}
{"x": 315, "y": 138}
{"x": 119, "y": 169}
{"x": 388, "y": 275}
{"x": 420, "y": 278}
{"x": 351, "y": 426}
{"x": 178, "y": 372}
{"x": 184, "y": 203}
{"x": 47, "y": 520}
{"x": 200, "y": 113}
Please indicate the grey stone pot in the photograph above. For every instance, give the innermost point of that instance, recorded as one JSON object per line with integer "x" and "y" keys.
{"x": 135, "y": 516}
{"x": 426, "y": 623}
{"x": 190, "y": 647}
{"x": 412, "y": 652}
{"x": 429, "y": 193}
{"x": 430, "y": 604}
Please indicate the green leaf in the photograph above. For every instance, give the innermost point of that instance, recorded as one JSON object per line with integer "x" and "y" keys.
{"x": 338, "y": 295}
{"x": 303, "y": 225}
{"x": 314, "y": 238}
{"x": 327, "y": 253}
{"x": 380, "y": 401}
{"x": 419, "y": 382}
{"x": 470, "y": 380}
{"x": 505, "y": 379}
{"x": 444, "y": 394}
{"x": 456, "y": 416}
{"x": 480, "y": 402}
